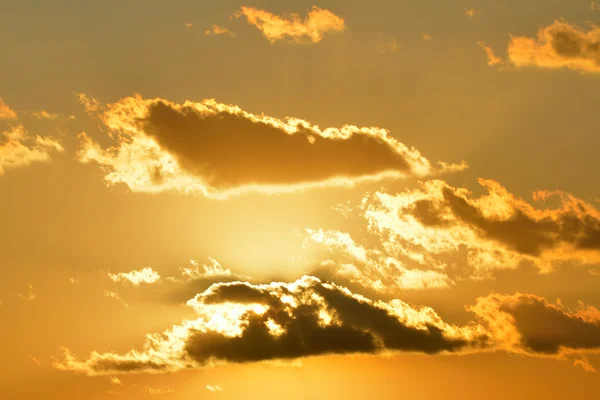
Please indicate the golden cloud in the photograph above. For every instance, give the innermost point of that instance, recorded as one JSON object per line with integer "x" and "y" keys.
{"x": 292, "y": 26}
{"x": 496, "y": 230}
{"x": 6, "y": 112}
{"x": 218, "y": 30}
{"x": 372, "y": 268}
{"x": 19, "y": 149}
{"x": 529, "y": 324}
{"x": 559, "y": 45}
{"x": 217, "y": 150}
{"x": 44, "y": 115}
{"x": 135, "y": 278}
{"x": 491, "y": 57}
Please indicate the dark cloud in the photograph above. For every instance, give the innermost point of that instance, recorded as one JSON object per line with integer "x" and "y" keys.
{"x": 216, "y": 149}
{"x": 361, "y": 328}
{"x": 240, "y": 323}
{"x": 536, "y": 326}
{"x": 230, "y": 150}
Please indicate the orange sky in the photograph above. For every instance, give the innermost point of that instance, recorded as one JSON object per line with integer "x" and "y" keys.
{"x": 341, "y": 199}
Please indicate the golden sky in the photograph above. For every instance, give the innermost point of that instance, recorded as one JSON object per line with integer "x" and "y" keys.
{"x": 342, "y": 199}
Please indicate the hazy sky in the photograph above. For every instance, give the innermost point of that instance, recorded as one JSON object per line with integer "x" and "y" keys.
{"x": 340, "y": 199}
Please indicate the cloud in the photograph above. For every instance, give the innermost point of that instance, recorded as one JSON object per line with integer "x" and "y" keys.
{"x": 30, "y": 295}
{"x": 44, "y": 115}
{"x": 113, "y": 295}
{"x": 240, "y": 322}
{"x": 214, "y": 388}
{"x": 594, "y": 5}
{"x": 218, "y": 30}
{"x": 426, "y": 37}
{"x": 19, "y": 149}
{"x": 90, "y": 105}
{"x": 495, "y": 230}
{"x": 135, "y": 278}
{"x": 529, "y": 324}
{"x": 158, "y": 391}
{"x": 214, "y": 270}
{"x": 311, "y": 29}
{"x": 115, "y": 381}
{"x": 491, "y": 57}
{"x": 188, "y": 25}
{"x": 385, "y": 45}
{"x": 217, "y": 150}
{"x": 5, "y": 111}
{"x": 371, "y": 268}
{"x": 471, "y": 12}
{"x": 35, "y": 360}
{"x": 559, "y": 45}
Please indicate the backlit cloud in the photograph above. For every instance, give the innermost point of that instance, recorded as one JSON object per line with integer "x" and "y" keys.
{"x": 437, "y": 234}
{"x": 496, "y": 229}
{"x": 292, "y": 26}
{"x": 559, "y": 45}
{"x": 373, "y": 268}
{"x": 214, "y": 388}
{"x": 135, "y": 278}
{"x": 216, "y": 30}
{"x": 239, "y": 322}
{"x": 19, "y": 149}
{"x": 529, "y": 324}
{"x": 216, "y": 150}
{"x": 6, "y": 112}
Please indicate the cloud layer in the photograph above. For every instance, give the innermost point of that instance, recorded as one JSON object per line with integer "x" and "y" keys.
{"x": 19, "y": 149}
{"x": 559, "y": 45}
{"x": 292, "y": 26}
{"x": 216, "y": 150}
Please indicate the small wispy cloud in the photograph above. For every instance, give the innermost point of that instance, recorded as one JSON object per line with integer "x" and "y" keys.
{"x": 113, "y": 295}
{"x": 214, "y": 388}
{"x": 30, "y": 295}
{"x": 135, "y": 278}
{"x": 492, "y": 59}
{"x": 44, "y": 115}
{"x": 217, "y": 30}
{"x": 471, "y": 12}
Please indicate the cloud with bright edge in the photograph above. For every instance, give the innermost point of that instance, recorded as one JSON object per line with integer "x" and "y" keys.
{"x": 146, "y": 275}
{"x": 559, "y": 45}
{"x": 240, "y": 322}
{"x": 291, "y": 26}
{"x": 19, "y": 149}
{"x": 431, "y": 236}
{"x": 217, "y": 150}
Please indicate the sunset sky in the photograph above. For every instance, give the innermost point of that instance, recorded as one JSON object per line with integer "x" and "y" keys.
{"x": 298, "y": 199}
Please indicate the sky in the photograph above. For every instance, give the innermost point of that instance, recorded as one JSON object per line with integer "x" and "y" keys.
{"x": 332, "y": 199}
